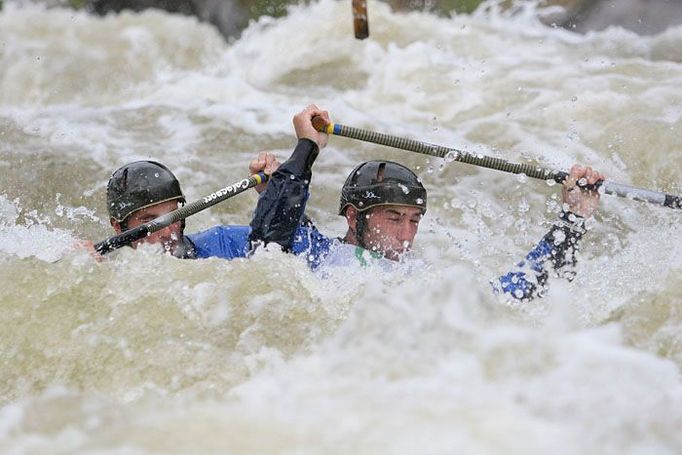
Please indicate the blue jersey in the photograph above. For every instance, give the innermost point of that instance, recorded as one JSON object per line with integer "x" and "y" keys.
{"x": 527, "y": 281}
{"x": 279, "y": 218}
{"x": 555, "y": 252}
{"x": 225, "y": 242}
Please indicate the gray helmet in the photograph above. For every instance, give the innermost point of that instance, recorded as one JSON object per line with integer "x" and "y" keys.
{"x": 381, "y": 182}
{"x": 139, "y": 185}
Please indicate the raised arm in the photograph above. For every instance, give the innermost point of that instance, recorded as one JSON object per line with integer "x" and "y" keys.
{"x": 281, "y": 206}
{"x": 557, "y": 250}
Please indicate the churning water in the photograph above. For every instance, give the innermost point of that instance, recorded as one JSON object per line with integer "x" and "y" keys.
{"x": 148, "y": 354}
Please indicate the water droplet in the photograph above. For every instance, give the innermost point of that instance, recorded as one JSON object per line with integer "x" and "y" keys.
{"x": 573, "y": 135}
{"x": 405, "y": 189}
{"x": 450, "y": 157}
{"x": 559, "y": 237}
{"x": 574, "y": 98}
{"x": 523, "y": 206}
{"x": 156, "y": 174}
{"x": 429, "y": 169}
{"x": 419, "y": 201}
{"x": 360, "y": 203}
{"x": 551, "y": 182}
{"x": 522, "y": 178}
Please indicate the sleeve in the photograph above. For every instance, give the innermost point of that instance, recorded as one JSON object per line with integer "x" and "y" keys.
{"x": 226, "y": 242}
{"x": 281, "y": 206}
{"x": 308, "y": 241}
{"x": 557, "y": 250}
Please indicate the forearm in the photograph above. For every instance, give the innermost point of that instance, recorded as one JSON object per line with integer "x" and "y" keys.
{"x": 281, "y": 206}
{"x": 556, "y": 251}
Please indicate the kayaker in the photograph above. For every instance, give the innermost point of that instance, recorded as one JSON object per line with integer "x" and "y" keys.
{"x": 141, "y": 191}
{"x": 383, "y": 203}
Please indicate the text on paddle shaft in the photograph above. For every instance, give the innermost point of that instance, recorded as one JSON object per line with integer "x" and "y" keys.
{"x": 234, "y": 188}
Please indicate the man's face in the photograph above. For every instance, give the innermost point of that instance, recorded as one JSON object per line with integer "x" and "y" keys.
{"x": 390, "y": 229}
{"x": 169, "y": 237}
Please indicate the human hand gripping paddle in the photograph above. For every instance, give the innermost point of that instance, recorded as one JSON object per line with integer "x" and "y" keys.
{"x": 143, "y": 230}
{"x": 451, "y": 154}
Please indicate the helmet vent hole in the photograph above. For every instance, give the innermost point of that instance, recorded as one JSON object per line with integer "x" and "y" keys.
{"x": 380, "y": 172}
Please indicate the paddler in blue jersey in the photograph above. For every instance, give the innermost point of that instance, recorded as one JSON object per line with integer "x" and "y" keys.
{"x": 144, "y": 190}
{"x": 383, "y": 203}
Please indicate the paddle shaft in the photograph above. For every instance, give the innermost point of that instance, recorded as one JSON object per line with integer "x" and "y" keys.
{"x": 451, "y": 154}
{"x": 143, "y": 230}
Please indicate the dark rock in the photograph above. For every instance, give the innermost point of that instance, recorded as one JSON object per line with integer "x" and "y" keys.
{"x": 645, "y": 17}
{"x": 229, "y": 16}
{"x": 172, "y": 6}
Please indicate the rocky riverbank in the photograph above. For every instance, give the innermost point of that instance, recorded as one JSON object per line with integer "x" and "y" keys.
{"x": 231, "y": 16}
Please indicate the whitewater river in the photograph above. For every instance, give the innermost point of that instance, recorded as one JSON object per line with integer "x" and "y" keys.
{"x": 144, "y": 353}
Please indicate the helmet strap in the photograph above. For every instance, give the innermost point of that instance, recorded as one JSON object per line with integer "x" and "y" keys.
{"x": 355, "y": 233}
{"x": 360, "y": 226}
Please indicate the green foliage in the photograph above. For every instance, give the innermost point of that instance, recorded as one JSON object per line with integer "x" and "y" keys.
{"x": 278, "y": 8}
{"x": 461, "y": 6}
{"x": 274, "y": 8}
{"x": 78, "y": 4}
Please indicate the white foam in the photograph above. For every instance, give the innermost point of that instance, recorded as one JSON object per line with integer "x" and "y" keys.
{"x": 363, "y": 362}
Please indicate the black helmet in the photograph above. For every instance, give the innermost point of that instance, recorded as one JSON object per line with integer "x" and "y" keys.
{"x": 138, "y": 185}
{"x": 382, "y": 183}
